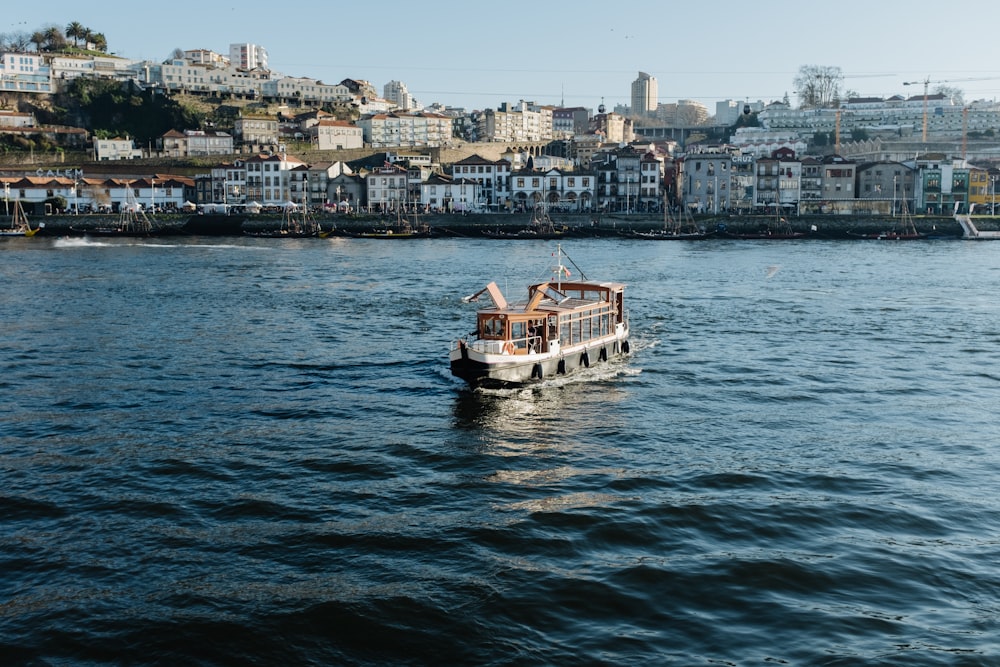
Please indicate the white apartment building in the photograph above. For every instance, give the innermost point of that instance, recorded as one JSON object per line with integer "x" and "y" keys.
{"x": 181, "y": 75}
{"x": 396, "y": 92}
{"x": 452, "y": 195}
{"x": 386, "y": 130}
{"x": 329, "y": 134}
{"x": 68, "y": 67}
{"x": 206, "y": 57}
{"x": 116, "y": 149}
{"x": 515, "y": 124}
{"x": 24, "y": 73}
{"x": 387, "y": 188}
{"x": 191, "y": 143}
{"x": 305, "y": 89}
{"x": 268, "y": 178}
{"x": 493, "y": 177}
{"x": 11, "y": 118}
{"x": 256, "y": 130}
{"x": 558, "y": 190}
{"x": 248, "y": 56}
{"x": 891, "y": 117}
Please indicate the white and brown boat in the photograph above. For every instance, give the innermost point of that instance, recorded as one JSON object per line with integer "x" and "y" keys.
{"x": 564, "y": 325}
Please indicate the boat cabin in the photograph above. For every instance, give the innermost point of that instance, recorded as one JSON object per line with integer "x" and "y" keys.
{"x": 564, "y": 314}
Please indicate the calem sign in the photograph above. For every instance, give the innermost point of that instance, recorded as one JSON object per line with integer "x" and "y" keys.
{"x": 75, "y": 173}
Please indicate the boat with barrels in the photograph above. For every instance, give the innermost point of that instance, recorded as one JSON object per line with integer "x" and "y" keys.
{"x": 564, "y": 325}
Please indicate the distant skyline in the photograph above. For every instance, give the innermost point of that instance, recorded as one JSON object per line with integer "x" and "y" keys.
{"x": 480, "y": 55}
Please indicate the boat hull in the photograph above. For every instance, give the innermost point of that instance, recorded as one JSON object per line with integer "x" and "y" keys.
{"x": 497, "y": 371}
{"x": 211, "y": 224}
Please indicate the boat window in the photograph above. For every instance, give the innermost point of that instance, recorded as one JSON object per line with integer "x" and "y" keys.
{"x": 519, "y": 333}
{"x": 491, "y": 327}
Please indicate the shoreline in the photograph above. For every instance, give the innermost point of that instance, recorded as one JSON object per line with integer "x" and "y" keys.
{"x": 492, "y": 225}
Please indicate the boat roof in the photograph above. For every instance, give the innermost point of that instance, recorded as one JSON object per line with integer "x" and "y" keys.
{"x": 582, "y": 284}
{"x": 553, "y": 297}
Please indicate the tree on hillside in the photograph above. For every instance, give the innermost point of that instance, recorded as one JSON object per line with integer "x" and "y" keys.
{"x": 17, "y": 42}
{"x": 746, "y": 120}
{"x": 818, "y": 86}
{"x": 38, "y": 39}
{"x": 955, "y": 94}
{"x": 125, "y": 110}
{"x": 99, "y": 40}
{"x": 75, "y": 30}
{"x": 55, "y": 40}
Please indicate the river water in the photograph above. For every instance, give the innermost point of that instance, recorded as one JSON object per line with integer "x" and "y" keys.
{"x": 233, "y": 451}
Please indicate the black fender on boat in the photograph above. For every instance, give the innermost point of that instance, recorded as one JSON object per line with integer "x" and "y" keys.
{"x": 561, "y": 367}
{"x": 585, "y": 360}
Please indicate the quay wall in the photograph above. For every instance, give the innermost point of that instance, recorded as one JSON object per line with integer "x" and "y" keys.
{"x": 459, "y": 225}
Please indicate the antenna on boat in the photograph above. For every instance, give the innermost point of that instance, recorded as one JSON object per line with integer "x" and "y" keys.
{"x": 562, "y": 270}
{"x": 559, "y": 268}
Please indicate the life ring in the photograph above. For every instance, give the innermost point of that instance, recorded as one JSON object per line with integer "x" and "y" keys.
{"x": 508, "y": 348}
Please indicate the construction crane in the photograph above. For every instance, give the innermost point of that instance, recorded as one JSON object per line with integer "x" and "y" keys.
{"x": 928, "y": 81}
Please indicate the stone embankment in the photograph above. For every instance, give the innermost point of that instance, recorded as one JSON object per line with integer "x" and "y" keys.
{"x": 476, "y": 225}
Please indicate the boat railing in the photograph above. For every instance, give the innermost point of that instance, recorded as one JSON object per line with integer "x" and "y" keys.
{"x": 524, "y": 345}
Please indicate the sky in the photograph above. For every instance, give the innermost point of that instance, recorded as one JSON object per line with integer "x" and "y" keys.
{"x": 478, "y": 55}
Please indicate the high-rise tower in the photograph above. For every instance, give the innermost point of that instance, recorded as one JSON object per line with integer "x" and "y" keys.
{"x": 644, "y": 95}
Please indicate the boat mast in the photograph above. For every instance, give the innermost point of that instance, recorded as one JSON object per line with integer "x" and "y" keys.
{"x": 559, "y": 267}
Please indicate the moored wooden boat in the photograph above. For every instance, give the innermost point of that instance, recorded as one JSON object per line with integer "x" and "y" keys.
{"x": 674, "y": 229}
{"x": 903, "y": 230}
{"x": 563, "y": 326}
{"x": 19, "y": 225}
{"x": 540, "y": 227}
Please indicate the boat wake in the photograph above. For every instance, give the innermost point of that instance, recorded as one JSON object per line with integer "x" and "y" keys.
{"x": 599, "y": 373}
{"x": 78, "y": 242}
{"x": 89, "y": 242}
